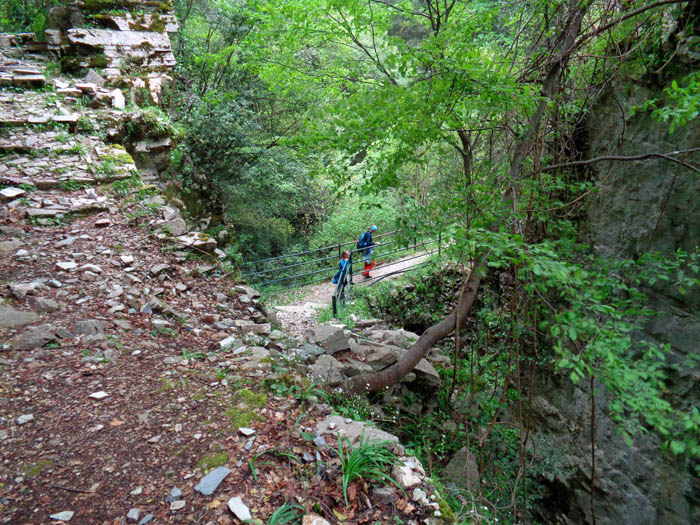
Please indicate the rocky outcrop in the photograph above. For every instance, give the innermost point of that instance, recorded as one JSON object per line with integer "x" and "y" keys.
{"x": 640, "y": 206}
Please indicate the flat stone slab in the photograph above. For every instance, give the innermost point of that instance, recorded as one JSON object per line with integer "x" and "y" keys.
{"x": 9, "y": 194}
{"x": 209, "y": 483}
{"x": 11, "y": 318}
{"x": 353, "y": 430}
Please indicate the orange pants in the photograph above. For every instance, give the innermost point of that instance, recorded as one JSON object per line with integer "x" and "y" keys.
{"x": 368, "y": 267}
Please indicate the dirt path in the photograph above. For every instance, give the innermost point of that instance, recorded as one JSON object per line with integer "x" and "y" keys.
{"x": 302, "y": 313}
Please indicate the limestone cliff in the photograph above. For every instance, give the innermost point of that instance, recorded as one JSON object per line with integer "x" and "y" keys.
{"x": 637, "y": 206}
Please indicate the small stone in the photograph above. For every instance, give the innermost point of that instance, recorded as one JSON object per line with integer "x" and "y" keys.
{"x": 246, "y": 431}
{"x": 67, "y": 265}
{"x": 118, "y": 100}
{"x": 22, "y": 253}
{"x": 68, "y": 241}
{"x": 133, "y": 515}
{"x": 101, "y": 223}
{"x": 10, "y": 246}
{"x": 209, "y": 483}
{"x": 313, "y": 519}
{"x": 53, "y": 283}
{"x": 419, "y": 496}
{"x": 137, "y": 491}
{"x": 89, "y": 327}
{"x": 177, "y": 505}
{"x": 239, "y": 509}
{"x": 146, "y": 519}
{"x": 47, "y": 305}
{"x": 66, "y": 515}
{"x": 405, "y": 476}
{"x": 320, "y": 442}
{"x": 99, "y": 395}
{"x": 175, "y": 494}
{"x": 228, "y": 342}
{"x": 156, "y": 269}
{"x": 26, "y": 418}
{"x": 307, "y": 457}
{"x": 90, "y": 268}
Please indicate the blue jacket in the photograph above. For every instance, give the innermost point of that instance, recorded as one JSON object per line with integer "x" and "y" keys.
{"x": 341, "y": 266}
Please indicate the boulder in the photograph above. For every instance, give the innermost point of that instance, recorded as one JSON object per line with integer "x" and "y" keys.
{"x": 47, "y": 305}
{"x": 89, "y": 327}
{"x": 93, "y": 77}
{"x": 198, "y": 240}
{"x": 175, "y": 227}
{"x": 257, "y": 355}
{"x": 34, "y": 337}
{"x": 309, "y": 352}
{"x": 331, "y": 338}
{"x": 353, "y": 367}
{"x": 10, "y": 246}
{"x": 353, "y": 430}
{"x": 11, "y": 318}
{"x": 463, "y": 471}
{"x": 401, "y": 338}
{"x": 246, "y": 290}
{"x": 327, "y": 369}
{"x": 383, "y": 357}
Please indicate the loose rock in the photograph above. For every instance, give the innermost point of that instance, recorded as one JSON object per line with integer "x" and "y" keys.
{"x": 238, "y": 508}
{"x": 209, "y": 483}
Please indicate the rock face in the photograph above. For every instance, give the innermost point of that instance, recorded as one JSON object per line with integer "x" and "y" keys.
{"x": 621, "y": 222}
{"x": 129, "y": 41}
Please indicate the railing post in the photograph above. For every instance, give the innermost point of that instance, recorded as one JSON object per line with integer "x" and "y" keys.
{"x": 335, "y": 306}
{"x": 439, "y": 243}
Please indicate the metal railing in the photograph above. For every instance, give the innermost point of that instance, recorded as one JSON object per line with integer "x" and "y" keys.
{"x": 268, "y": 271}
{"x": 287, "y": 271}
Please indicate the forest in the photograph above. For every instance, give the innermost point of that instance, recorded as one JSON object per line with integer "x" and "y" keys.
{"x": 498, "y": 125}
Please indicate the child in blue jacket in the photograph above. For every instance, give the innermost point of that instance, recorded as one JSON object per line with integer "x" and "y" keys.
{"x": 344, "y": 259}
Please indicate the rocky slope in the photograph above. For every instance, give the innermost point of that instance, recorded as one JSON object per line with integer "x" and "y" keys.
{"x": 131, "y": 366}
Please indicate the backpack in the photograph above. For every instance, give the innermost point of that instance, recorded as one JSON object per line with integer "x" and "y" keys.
{"x": 362, "y": 243}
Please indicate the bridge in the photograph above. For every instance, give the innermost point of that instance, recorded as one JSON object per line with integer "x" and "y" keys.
{"x": 394, "y": 254}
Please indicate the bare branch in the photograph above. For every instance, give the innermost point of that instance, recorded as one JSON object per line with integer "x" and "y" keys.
{"x": 667, "y": 156}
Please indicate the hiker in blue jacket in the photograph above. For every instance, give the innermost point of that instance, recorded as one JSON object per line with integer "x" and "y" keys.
{"x": 367, "y": 246}
{"x": 344, "y": 259}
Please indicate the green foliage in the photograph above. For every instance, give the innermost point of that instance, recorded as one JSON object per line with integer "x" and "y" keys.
{"x": 212, "y": 461}
{"x": 24, "y": 15}
{"x": 351, "y": 216}
{"x": 369, "y": 461}
{"x": 684, "y": 102}
{"x": 287, "y": 513}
